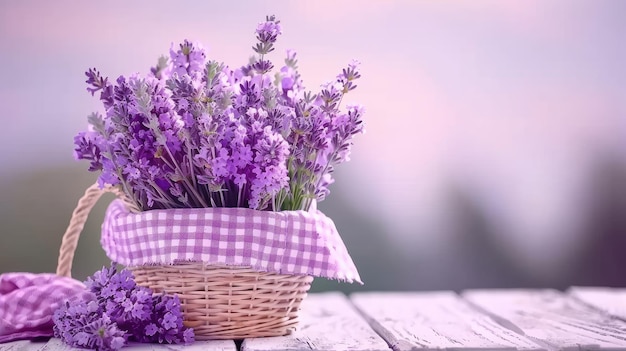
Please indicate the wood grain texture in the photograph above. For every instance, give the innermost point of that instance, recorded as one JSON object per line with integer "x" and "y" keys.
{"x": 23, "y": 345}
{"x": 212, "y": 345}
{"x": 435, "y": 321}
{"x": 327, "y": 322}
{"x": 58, "y": 345}
{"x": 552, "y": 319}
{"x": 609, "y": 300}
{"x": 14, "y": 345}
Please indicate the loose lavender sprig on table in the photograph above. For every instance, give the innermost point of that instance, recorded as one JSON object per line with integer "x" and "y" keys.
{"x": 195, "y": 133}
{"x": 117, "y": 310}
{"x": 82, "y": 324}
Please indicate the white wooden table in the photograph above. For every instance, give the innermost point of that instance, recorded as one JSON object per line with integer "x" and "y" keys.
{"x": 529, "y": 320}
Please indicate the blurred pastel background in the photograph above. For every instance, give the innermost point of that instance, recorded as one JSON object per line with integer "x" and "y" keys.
{"x": 495, "y": 152}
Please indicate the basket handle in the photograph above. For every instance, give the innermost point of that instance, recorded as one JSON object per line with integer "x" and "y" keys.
{"x": 77, "y": 222}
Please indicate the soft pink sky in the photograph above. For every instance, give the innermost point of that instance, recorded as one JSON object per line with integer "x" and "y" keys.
{"x": 512, "y": 100}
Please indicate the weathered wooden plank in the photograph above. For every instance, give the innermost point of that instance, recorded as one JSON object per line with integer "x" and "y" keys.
{"x": 58, "y": 345}
{"x": 213, "y": 345}
{"x": 14, "y": 345}
{"x": 552, "y": 318}
{"x": 20, "y": 345}
{"x": 327, "y": 322}
{"x": 435, "y": 321}
{"x": 23, "y": 345}
{"x": 609, "y": 300}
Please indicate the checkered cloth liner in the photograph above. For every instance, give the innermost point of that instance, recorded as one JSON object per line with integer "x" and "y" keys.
{"x": 288, "y": 242}
{"x": 28, "y": 301}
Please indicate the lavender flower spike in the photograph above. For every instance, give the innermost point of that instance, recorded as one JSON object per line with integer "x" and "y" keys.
{"x": 266, "y": 33}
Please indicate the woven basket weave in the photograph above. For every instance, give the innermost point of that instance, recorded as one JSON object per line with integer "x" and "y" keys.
{"x": 219, "y": 302}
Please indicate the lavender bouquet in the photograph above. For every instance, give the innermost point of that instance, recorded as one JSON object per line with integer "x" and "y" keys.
{"x": 194, "y": 133}
{"x": 114, "y": 310}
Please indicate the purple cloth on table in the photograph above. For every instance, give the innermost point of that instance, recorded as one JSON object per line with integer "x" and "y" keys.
{"x": 288, "y": 242}
{"x": 28, "y": 302}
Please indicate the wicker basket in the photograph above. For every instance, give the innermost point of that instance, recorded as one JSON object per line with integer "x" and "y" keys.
{"x": 219, "y": 302}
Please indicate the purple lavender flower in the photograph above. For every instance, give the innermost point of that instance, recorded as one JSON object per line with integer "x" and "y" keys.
{"x": 188, "y": 59}
{"x": 249, "y": 94}
{"x": 165, "y": 324}
{"x": 128, "y": 306}
{"x": 262, "y": 66}
{"x": 119, "y": 296}
{"x": 270, "y": 170}
{"x": 102, "y": 334}
{"x": 98, "y": 83}
{"x": 321, "y": 191}
{"x": 344, "y": 127}
{"x": 88, "y": 148}
{"x": 195, "y": 133}
{"x": 82, "y": 324}
{"x": 348, "y": 76}
{"x": 266, "y": 33}
{"x": 289, "y": 83}
{"x": 102, "y": 282}
{"x": 115, "y": 310}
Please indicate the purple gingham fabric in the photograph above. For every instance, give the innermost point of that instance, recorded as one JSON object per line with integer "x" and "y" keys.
{"x": 289, "y": 242}
{"x": 28, "y": 301}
